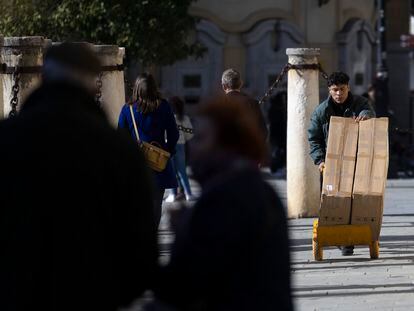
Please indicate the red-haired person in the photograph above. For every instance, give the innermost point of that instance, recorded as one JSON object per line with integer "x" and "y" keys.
{"x": 231, "y": 250}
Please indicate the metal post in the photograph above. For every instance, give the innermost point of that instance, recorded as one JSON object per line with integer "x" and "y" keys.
{"x": 381, "y": 79}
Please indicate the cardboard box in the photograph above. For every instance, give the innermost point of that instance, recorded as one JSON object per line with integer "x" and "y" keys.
{"x": 368, "y": 209}
{"x": 335, "y": 210}
{"x": 371, "y": 174}
{"x": 339, "y": 172}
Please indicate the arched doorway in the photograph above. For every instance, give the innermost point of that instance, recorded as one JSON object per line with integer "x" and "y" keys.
{"x": 194, "y": 78}
{"x": 266, "y": 45}
{"x": 356, "y": 47}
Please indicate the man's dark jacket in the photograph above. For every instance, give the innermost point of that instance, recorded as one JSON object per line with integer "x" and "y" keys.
{"x": 231, "y": 253}
{"x": 76, "y": 219}
{"x": 246, "y": 100}
{"x": 354, "y": 106}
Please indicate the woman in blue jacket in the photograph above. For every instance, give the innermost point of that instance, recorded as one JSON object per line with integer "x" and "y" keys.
{"x": 156, "y": 123}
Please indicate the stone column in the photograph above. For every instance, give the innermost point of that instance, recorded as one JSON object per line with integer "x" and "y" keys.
{"x": 27, "y": 53}
{"x": 303, "y": 187}
{"x": 113, "y": 88}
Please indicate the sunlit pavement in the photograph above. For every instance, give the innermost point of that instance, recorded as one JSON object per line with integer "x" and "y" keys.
{"x": 349, "y": 283}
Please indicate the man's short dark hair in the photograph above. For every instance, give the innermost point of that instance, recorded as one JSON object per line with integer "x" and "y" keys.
{"x": 338, "y": 78}
{"x": 231, "y": 78}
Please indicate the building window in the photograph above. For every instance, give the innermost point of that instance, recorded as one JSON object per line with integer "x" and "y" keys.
{"x": 192, "y": 81}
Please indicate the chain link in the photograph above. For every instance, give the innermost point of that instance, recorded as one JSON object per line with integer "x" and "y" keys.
{"x": 98, "y": 95}
{"x": 269, "y": 92}
{"x": 284, "y": 71}
{"x": 185, "y": 129}
{"x": 14, "y": 101}
{"x": 323, "y": 72}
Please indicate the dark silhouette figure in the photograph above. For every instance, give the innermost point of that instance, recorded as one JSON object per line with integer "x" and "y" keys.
{"x": 277, "y": 115}
{"x": 155, "y": 124}
{"x": 232, "y": 84}
{"x": 231, "y": 250}
{"x": 76, "y": 220}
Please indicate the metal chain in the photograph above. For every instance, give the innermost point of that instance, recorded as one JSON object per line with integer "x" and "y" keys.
{"x": 99, "y": 90}
{"x": 284, "y": 71}
{"x": 14, "y": 101}
{"x": 323, "y": 72}
{"x": 185, "y": 129}
{"x": 269, "y": 92}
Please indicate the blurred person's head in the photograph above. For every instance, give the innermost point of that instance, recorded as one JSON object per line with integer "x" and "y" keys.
{"x": 338, "y": 85}
{"x": 146, "y": 93}
{"x": 225, "y": 127}
{"x": 177, "y": 105}
{"x": 72, "y": 62}
{"x": 231, "y": 80}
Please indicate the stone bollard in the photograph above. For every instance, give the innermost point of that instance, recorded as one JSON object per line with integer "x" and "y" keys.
{"x": 303, "y": 183}
{"x": 112, "y": 77}
{"x": 27, "y": 54}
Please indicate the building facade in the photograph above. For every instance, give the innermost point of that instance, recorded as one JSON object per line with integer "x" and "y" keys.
{"x": 252, "y": 36}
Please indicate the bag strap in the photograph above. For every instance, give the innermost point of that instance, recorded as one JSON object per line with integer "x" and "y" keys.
{"x": 135, "y": 124}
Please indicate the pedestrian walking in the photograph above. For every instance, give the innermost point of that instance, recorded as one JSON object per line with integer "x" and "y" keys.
{"x": 232, "y": 86}
{"x": 151, "y": 117}
{"x": 231, "y": 249}
{"x": 341, "y": 103}
{"x": 185, "y": 128}
{"x": 76, "y": 227}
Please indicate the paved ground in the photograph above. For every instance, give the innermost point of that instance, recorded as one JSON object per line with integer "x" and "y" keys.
{"x": 357, "y": 282}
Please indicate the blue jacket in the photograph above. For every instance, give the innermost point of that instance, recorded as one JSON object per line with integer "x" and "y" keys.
{"x": 152, "y": 128}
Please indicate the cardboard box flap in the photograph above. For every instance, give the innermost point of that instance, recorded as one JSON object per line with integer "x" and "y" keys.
{"x": 340, "y": 157}
{"x": 372, "y": 158}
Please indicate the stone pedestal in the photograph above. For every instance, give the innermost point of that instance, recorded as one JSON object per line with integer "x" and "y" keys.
{"x": 113, "y": 89}
{"x": 27, "y": 53}
{"x": 303, "y": 186}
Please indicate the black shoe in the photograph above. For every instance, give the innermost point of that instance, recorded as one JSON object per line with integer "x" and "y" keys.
{"x": 347, "y": 250}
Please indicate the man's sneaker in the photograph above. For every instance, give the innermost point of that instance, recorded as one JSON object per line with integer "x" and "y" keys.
{"x": 347, "y": 250}
{"x": 171, "y": 198}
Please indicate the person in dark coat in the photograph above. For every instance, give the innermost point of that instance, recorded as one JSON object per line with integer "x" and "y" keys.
{"x": 232, "y": 84}
{"x": 76, "y": 220}
{"x": 340, "y": 103}
{"x": 155, "y": 122}
{"x": 231, "y": 250}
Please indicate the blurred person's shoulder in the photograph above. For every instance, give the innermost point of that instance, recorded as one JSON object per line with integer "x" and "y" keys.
{"x": 242, "y": 98}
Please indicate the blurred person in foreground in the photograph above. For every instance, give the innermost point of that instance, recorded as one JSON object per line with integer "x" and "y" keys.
{"x": 179, "y": 159}
{"x": 155, "y": 123}
{"x": 231, "y": 250}
{"x": 76, "y": 224}
{"x": 232, "y": 84}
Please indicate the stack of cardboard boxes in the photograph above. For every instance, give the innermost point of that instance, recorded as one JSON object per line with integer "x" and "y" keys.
{"x": 355, "y": 173}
